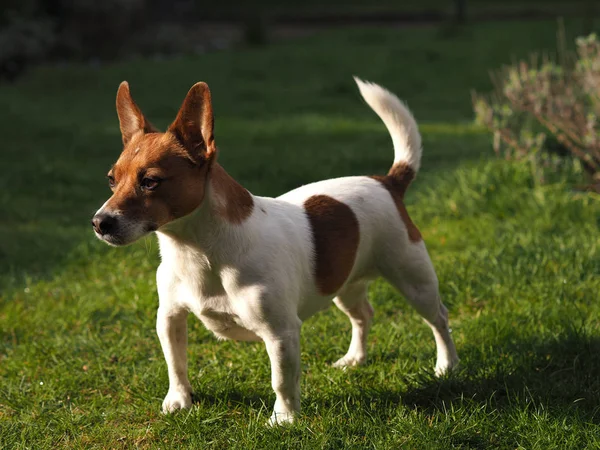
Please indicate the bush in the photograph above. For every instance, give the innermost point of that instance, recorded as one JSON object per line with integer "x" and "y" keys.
{"x": 542, "y": 110}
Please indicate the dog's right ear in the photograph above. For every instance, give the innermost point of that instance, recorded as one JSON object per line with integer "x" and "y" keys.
{"x": 131, "y": 119}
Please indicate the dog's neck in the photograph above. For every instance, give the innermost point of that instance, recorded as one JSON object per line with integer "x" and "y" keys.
{"x": 218, "y": 221}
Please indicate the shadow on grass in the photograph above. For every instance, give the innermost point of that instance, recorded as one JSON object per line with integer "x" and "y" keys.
{"x": 555, "y": 379}
{"x": 560, "y": 375}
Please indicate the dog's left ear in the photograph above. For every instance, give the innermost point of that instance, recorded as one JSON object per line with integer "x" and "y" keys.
{"x": 194, "y": 124}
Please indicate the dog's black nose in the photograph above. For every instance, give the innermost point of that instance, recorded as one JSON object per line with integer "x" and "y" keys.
{"x": 104, "y": 224}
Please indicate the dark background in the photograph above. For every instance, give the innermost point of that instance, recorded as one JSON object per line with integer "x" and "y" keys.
{"x": 35, "y": 31}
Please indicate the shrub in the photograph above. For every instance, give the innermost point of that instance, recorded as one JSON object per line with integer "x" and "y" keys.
{"x": 543, "y": 110}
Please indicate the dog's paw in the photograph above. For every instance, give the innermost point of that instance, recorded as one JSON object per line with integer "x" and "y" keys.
{"x": 281, "y": 418}
{"x": 176, "y": 399}
{"x": 350, "y": 361}
{"x": 445, "y": 368}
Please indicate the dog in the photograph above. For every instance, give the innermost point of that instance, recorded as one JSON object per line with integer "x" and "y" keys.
{"x": 254, "y": 268}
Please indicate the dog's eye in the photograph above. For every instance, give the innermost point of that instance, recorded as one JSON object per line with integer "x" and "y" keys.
{"x": 149, "y": 184}
{"x": 111, "y": 181}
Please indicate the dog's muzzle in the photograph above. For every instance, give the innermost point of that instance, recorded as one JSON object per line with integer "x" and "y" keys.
{"x": 117, "y": 230}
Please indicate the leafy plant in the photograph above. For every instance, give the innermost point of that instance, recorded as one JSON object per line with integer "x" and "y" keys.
{"x": 541, "y": 109}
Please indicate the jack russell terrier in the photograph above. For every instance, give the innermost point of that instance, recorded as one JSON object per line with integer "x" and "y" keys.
{"x": 254, "y": 268}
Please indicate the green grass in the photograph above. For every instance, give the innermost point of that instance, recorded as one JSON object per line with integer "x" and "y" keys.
{"x": 519, "y": 263}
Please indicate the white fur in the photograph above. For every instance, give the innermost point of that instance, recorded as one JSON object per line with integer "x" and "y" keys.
{"x": 399, "y": 121}
{"x": 256, "y": 280}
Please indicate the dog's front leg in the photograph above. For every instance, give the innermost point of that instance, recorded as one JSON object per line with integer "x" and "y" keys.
{"x": 171, "y": 327}
{"x": 283, "y": 348}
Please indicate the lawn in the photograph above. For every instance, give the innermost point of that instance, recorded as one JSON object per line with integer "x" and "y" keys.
{"x": 518, "y": 262}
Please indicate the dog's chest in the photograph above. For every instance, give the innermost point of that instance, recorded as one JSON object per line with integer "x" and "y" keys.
{"x": 218, "y": 314}
{"x": 226, "y": 325}
{"x": 214, "y": 308}
{"x": 199, "y": 289}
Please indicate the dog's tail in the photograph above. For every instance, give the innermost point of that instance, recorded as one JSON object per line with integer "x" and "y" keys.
{"x": 402, "y": 127}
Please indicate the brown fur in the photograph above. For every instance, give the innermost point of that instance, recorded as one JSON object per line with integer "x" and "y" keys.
{"x": 183, "y": 187}
{"x": 238, "y": 204}
{"x": 157, "y": 155}
{"x": 335, "y": 236}
{"x": 400, "y": 176}
{"x": 396, "y": 182}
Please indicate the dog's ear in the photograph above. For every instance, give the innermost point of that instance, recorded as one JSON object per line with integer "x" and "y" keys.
{"x": 131, "y": 119}
{"x": 194, "y": 124}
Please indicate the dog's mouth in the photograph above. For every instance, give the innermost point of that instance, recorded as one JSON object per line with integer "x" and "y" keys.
{"x": 113, "y": 240}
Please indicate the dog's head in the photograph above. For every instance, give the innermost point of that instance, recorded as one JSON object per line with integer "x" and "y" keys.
{"x": 159, "y": 177}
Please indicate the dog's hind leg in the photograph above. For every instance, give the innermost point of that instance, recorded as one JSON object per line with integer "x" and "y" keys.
{"x": 354, "y": 303}
{"x": 411, "y": 272}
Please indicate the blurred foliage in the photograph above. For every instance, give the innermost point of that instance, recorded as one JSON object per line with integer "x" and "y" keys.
{"x": 98, "y": 28}
{"x": 255, "y": 30}
{"x": 33, "y": 30}
{"x": 544, "y": 111}
{"x": 25, "y": 36}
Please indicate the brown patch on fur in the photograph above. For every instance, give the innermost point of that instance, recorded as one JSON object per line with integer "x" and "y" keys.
{"x": 400, "y": 176}
{"x": 335, "y": 236}
{"x": 233, "y": 203}
{"x": 157, "y": 155}
{"x": 396, "y": 182}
